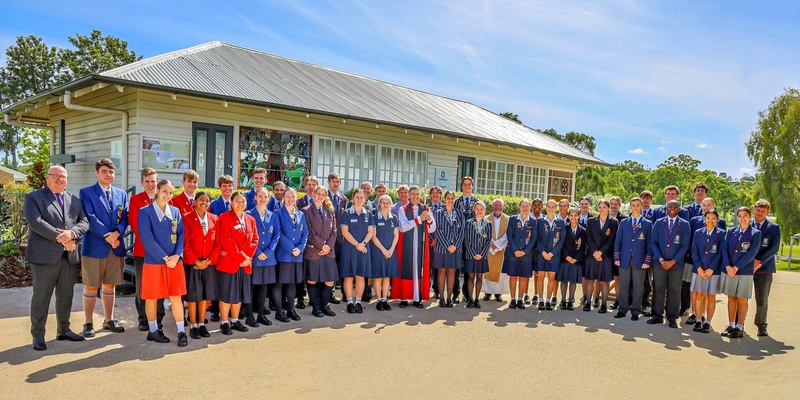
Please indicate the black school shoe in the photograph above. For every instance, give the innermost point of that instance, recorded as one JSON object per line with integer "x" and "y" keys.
{"x": 470, "y": 304}
{"x": 379, "y": 306}
{"x": 726, "y": 332}
{"x": 419, "y": 304}
{"x": 513, "y": 304}
{"x": 183, "y": 341}
{"x": 239, "y": 326}
{"x": 691, "y": 320}
{"x": 698, "y": 326}
{"x": 387, "y": 307}
{"x": 541, "y": 305}
{"x": 477, "y": 304}
{"x": 194, "y": 333}
{"x": 587, "y": 306}
{"x": 157, "y": 336}
{"x": 359, "y": 308}
{"x": 603, "y": 309}
{"x": 225, "y": 329}
{"x": 293, "y": 315}
{"x": 203, "y": 331}
{"x": 615, "y": 305}
{"x": 706, "y": 328}
{"x": 736, "y": 333}
{"x": 351, "y": 308}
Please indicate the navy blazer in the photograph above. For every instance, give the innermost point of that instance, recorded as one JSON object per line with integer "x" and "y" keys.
{"x": 741, "y": 248}
{"x": 268, "y": 235}
{"x": 449, "y": 232}
{"x": 671, "y": 244}
{"x": 661, "y": 212}
{"x": 699, "y": 222}
{"x": 707, "y": 249}
{"x": 44, "y": 215}
{"x": 694, "y": 210}
{"x": 633, "y": 243}
{"x": 550, "y": 240}
{"x": 217, "y": 206}
{"x": 466, "y": 209}
{"x": 601, "y": 240}
{"x": 574, "y": 245}
{"x": 770, "y": 241}
{"x": 292, "y": 235}
{"x": 103, "y": 221}
{"x": 648, "y": 214}
{"x": 160, "y": 238}
{"x": 522, "y": 235}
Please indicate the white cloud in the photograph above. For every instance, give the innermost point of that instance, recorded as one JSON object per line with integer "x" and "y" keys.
{"x": 639, "y": 151}
{"x": 666, "y": 141}
{"x": 702, "y": 145}
{"x": 661, "y": 148}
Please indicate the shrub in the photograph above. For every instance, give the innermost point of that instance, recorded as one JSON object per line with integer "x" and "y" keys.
{"x": 13, "y": 197}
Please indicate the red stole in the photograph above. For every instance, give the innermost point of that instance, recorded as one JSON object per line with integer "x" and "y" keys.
{"x": 403, "y": 289}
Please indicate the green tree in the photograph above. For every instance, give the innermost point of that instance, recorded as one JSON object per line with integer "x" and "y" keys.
{"x": 682, "y": 161}
{"x": 35, "y": 145}
{"x": 97, "y": 53}
{"x": 774, "y": 148}
{"x": 580, "y": 141}
{"x": 511, "y": 116}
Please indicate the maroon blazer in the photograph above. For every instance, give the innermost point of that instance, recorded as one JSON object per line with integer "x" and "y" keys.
{"x": 321, "y": 232}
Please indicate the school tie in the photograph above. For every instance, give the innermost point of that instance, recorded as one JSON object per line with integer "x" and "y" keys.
{"x": 336, "y": 202}
{"x": 671, "y": 223}
{"x": 191, "y": 202}
{"x": 109, "y": 200}
{"x": 204, "y": 226}
{"x": 758, "y": 226}
{"x": 60, "y": 202}
{"x": 227, "y": 206}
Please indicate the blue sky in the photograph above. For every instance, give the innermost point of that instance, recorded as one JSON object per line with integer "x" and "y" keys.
{"x": 647, "y": 79}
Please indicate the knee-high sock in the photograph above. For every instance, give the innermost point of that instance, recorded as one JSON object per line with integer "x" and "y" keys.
{"x": 89, "y": 301}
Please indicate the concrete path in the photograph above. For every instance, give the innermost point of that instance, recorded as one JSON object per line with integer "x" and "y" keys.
{"x": 409, "y": 353}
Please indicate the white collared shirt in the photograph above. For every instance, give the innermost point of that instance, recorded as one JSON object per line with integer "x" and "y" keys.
{"x": 161, "y": 214}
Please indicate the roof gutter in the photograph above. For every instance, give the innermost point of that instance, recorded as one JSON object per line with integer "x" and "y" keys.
{"x": 124, "y": 156}
{"x": 21, "y": 124}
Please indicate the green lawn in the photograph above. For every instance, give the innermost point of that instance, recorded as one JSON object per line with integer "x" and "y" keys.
{"x": 782, "y": 262}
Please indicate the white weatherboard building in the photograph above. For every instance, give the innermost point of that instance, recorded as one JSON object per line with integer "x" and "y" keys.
{"x": 223, "y": 109}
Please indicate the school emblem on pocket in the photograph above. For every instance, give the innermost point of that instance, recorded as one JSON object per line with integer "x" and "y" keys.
{"x": 641, "y": 235}
{"x": 714, "y": 249}
{"x": 677, "y": 239}
{"x": 765, "y": 242}
{"x": 745, "y": 247}
{"x": 608, "y": 232}
{"x": 174, "y": 238}
{"x": 578, "y": 244}
{"x": 270, "y": 229}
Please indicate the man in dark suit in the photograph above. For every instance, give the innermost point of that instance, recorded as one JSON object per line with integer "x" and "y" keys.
{"x": 57, "y": 222}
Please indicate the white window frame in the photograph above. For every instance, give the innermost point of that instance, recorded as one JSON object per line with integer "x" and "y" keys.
{"x": 494, "y": 177}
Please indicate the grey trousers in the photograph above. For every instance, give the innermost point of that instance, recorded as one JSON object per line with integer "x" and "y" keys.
{"x": 667, "y": 284}
{"x": 762, "y": 283}
{"x": 631, "y": 277}
{"x": 58, "y": 277}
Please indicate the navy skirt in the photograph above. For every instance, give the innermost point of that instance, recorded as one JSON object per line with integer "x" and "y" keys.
{"x": 201, "y": 284}
{"x": 567, "y": 272}
{"x": 546, "y": 266}
{"x": 599, "y": 270}
{"x": 472, "y": 266}
{"x": 322, "y": 270}
{"x": 263, "y": 275}
{"x": 233, "y": 288}
{"x": 382, "y": 267}
{"x": 515, "y": 266}
{"x": 289, "y": 272}
{"x": 447, "y": 260}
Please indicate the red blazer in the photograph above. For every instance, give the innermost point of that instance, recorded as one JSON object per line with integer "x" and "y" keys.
{"x": 137, "y": 201}
{"x": 196, "y": 246}
{"x": 235, "y": 243}
{"x": 183, "y": 204}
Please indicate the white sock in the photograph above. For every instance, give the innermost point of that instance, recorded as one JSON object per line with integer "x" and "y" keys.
{"x": 153, "y": 326}
{"x": 180, "y": 326}
{"x": 349, "y": 300}
{"x": 234, "y": 320}
{"x": 358, "y": 301}
{"x": 201, "y": 324}
{"x": 740, "y": 326}
{"x": 732, "y": 324}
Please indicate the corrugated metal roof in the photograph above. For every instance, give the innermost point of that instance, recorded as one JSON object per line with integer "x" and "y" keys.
{"x": 221, "y": 70}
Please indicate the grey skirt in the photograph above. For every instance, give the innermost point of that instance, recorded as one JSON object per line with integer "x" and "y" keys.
{"x": 740, "y": 286}
{"x": 322, "y": 270}
{"x": 687, "y": 272}
{"x": 201, "y": 284}
{"x": 233, "y": 288}
{"x": 709, "y": 286}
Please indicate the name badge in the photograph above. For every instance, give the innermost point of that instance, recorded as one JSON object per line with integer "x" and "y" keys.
{"x": 381, "y": 223}
{"x": 354, "y": 220}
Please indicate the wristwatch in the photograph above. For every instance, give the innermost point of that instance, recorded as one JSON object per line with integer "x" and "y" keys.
{"x": 661, "y": 259}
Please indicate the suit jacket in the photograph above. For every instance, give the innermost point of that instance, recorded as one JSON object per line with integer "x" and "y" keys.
{"x": 770, "y": 241}
{"x": 303, "y": 202}
{"x": 103, "y": 220}
{"x": 217, "y": 206}
{"x": 671, "y": 244}
{"x": 633, "y": 243}
{"x": 321, "y": 232}
{"x": 699, "y": 222}
{"x": 550, "y": 240}
{"x": 602, "y": 240}
{"x": 138, "y": 201}
{"x": 196, "y": 245}
{"x": 235, "y": 242}
{"x": 740, "y": 249}
{"x": 522, "y": 235}
{"x": 44, "y": 215}
{"x": 250, "y": 196}
{"x": 182, "y": 202}
{"x": 661, "y": 212}
{"x": 293, "y": 235}
{"x": 160, "y": 237}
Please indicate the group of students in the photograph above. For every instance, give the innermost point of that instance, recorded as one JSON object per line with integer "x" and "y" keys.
{"x": 230, "y": 254}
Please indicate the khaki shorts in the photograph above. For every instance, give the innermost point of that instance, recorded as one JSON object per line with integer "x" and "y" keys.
{"x": 102, "y": 271}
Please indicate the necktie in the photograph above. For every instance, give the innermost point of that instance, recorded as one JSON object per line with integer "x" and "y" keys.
{"x": 227, "y": 206}
{"x": 204, "y": 226}
{"x": 671, "y": 223}
{"x": 758, "y": 226}
{"x": 321, "y": 214}
{"x": 109, "y": 200}
{"x": 336, "y": 202}
{"x": 191, "y": 202}
{"x": 60, "y": 201}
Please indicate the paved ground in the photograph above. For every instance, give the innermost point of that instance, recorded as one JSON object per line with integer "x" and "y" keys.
{"x": 431, "y": 353}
